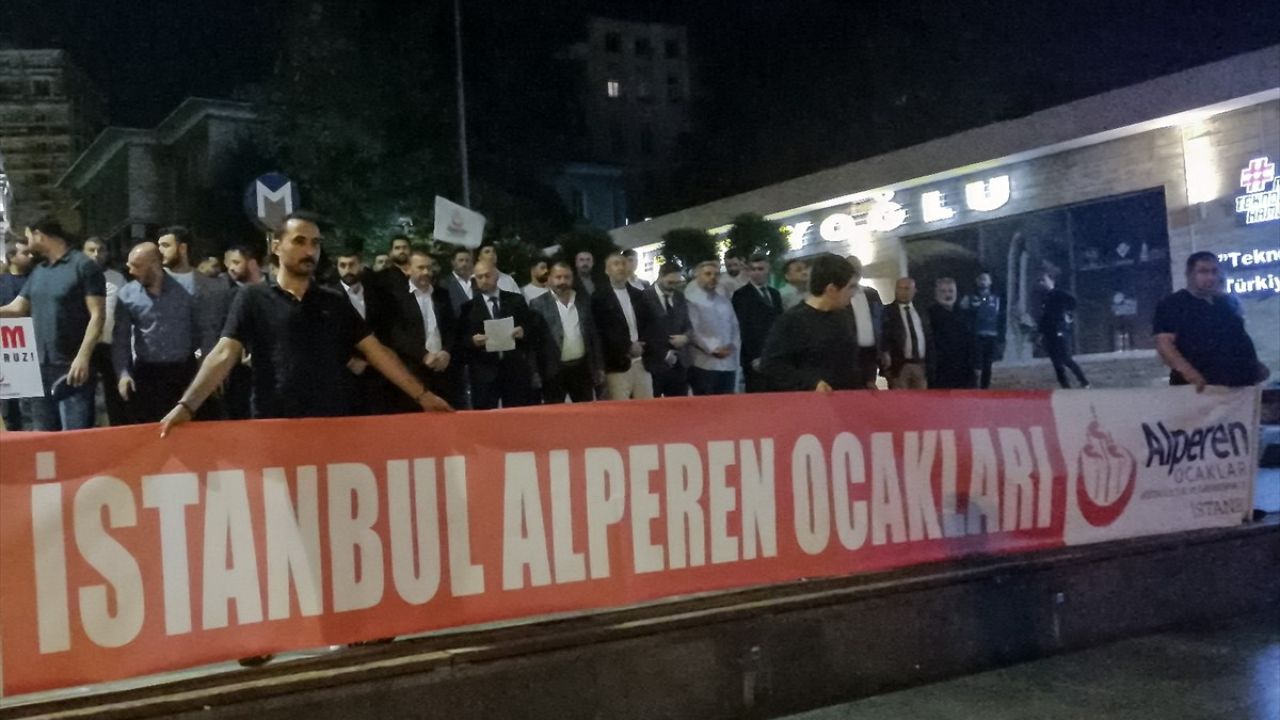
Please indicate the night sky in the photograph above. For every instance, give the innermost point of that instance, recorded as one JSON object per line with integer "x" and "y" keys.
{"x": 830, "y": 80}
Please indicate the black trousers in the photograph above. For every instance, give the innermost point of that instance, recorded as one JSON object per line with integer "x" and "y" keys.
{"x": 1058, "y": 348}
{"x": 986, "y": 354}
{"x": 868, "y": 365}
{"x": 157, "y": 388}
{"x": 102, "y": 367}
{"x": 671, "y": 381}
{"x": 508, "y": 383}
{"x": 574, "y": 380}
{"x": 752, "y": 381}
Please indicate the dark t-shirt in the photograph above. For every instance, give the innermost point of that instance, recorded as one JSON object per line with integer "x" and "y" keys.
{"x": 56, "y": 292}
{"x": 807, "y": 345}
{"x": 1210, "y": 334}
{"x": 1057, "y": 312}
{"x": 300, "y": 349}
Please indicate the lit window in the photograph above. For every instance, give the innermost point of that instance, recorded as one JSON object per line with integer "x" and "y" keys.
{"x": 613, "y": 88}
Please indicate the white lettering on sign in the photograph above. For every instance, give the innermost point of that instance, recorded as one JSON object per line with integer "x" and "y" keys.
{"x": 884, "y": 214}
{"x": 1258, "y": 204}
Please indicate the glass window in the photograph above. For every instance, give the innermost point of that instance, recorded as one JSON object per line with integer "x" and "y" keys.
{"x": 613, "y": 88}
{"x": 613, "y": 42}
{"x": 644, "y": 91}
{"x": 644, "y": 48}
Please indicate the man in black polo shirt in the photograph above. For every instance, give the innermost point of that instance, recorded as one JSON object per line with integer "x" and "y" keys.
{"x": 1200, "y": 335}
{"x": 301, "y": 336}
{"x": 66, "y": 299}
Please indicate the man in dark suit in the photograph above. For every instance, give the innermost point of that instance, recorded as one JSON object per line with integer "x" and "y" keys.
{"x": 423, "y": 332}
{"x": 666, "y": 302}
{"x": 904, "y": 338}
{"x": 757, "y": 305}
{"x": 868, "y": 321}
{"x": 459, "y": 283}
{"x": 630, "y": 335}
{"x": 569, "y": 358}
{"x": 505, "y": 377}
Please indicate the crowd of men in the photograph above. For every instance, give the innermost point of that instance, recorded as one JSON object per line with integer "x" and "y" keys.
{"x": 233, "y": 337}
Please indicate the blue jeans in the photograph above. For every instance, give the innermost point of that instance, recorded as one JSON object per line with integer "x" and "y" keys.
{"x": 74, "y": 412}
{"x": 712, "y": 382}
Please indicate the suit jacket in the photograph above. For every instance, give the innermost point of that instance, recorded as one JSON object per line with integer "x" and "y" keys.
{"x": 407, "y": 335}
{"x": 675, "y": 322}
{"x": 550, "y": 333}
{"x": 486, "y": 365}
{"x": 457, "y": 296}
{"x": 213, "y": 304}
{"x": 876, "y": 305}
{"x": 755, "y": 317}
{"x": 615, "y": 336}
{"x": 895, "y": 336}
{"x": 381, "y": 290}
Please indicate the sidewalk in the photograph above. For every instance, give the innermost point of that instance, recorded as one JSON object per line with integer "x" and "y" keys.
{"x": 1228, "y": 673}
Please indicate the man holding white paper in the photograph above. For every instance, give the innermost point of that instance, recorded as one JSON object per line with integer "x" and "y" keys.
{"x": 495, "y": 328}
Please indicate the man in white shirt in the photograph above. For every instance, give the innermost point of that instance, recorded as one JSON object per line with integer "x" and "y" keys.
{"x": 569, "y": 358}
{"x": 904, "y": 339}
{"x": 423, "y": 333}
{"x": 98, "y": 252}
{"x": 489, "y": 251}
{"x": 459, "y": 283}
{"x": 868, "y": 320}
{"x": 629, "y": 333}
{"x": 714, "y": 334}
{"x": 539, "y": 271}
{"x": 796, "y": 291}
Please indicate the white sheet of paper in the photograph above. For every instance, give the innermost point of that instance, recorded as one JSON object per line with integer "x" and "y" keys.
{"x": 498, "y": 334}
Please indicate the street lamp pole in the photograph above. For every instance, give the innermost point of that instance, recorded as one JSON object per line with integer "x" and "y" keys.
{"x": 462, "y": 105}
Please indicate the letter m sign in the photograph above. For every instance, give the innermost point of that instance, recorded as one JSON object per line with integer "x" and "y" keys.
{"x": 269, "y": 199}
{"x": 13, "y": 337}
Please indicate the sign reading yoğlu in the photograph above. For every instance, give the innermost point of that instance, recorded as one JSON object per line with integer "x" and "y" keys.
{"x": 182, "y": 552}
{"x": 19, "y": 364}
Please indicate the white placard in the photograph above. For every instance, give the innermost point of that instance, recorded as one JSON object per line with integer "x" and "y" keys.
{"x": 499, "y": 334}
{"x": 457, "y": 225}
{"x": 19, "y": 364}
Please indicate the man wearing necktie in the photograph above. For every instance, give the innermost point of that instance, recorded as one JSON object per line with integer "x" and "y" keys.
{"x": 904, "y": 337}
{"x": 667, "y": 302}
{"x": 757, "y": 306}
{"x": 505, "y": 377}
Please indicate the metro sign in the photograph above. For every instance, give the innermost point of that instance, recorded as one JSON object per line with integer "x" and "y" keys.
{"x": 1258, "y": 204}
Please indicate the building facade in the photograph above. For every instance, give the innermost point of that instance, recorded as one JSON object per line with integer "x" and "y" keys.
{"x": 49, "y": 114}
{"x": 634, "y": 96}
{"x": 131, "y": 181}
{"x": 1110, "y": 194}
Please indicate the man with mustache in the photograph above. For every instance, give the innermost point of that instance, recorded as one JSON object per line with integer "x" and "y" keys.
{"x": 301, "y": 336}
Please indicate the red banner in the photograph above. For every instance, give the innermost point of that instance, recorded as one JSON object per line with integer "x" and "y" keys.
{"x": 124, "y": 554}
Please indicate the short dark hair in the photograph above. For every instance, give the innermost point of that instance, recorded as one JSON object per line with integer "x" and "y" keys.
{"x": 759, "y": 257}
{"x": 49, "y": 225}
{"x": 786, "y": 267}
{"x": 564, "y": 264}
{"x": 488, "y": 242}
{"x": 629, "y": 253}
{"x": 403, "y": 237}
{"x": 537, "y": 260}
{"x": 422, "y": 250}
{"x": 1201, "y": 256}
{"x": 304, "y": 216}
{"x": 350, "y": 251}
{"x": 248, "y": 250}
{"x": 828, "y": 269}
{"x": 180, "y": 233}
{"x": 95, "y": 239}
{"x": 669, "y": 267}
{"x": 460, "y": 249}
{"x": 735, "y": 253}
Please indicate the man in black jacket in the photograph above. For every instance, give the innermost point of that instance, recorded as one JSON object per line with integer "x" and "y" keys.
{"x": 629, "y": 334}
{"x": 904, "y": 338}
{"x": 507, "y": 376}
{"x": 757, "y": 306}
{"x": 667, "y": 303}
{"x": 1057, "y": 320}
{"x": 423, "y": 332}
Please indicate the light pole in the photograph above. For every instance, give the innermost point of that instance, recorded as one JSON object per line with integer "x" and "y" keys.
{"x": 462, "y": 104}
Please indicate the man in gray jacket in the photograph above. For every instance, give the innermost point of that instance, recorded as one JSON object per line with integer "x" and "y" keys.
{"x": 568, "y": 346}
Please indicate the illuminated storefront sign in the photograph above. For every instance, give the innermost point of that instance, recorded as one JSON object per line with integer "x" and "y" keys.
{"x": 1263, "y": 282}
{"x": 1258, "y": 204}
{"x": 884, "y": 212}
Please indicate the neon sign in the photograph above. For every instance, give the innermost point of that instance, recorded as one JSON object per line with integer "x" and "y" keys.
{"x": 1263, "y": 282}
{"x": 1258, "y": 204}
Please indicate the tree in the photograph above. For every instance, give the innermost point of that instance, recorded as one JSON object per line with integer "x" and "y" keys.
{"x": 688, "y": 246}
{"x": 752, "y": 235}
